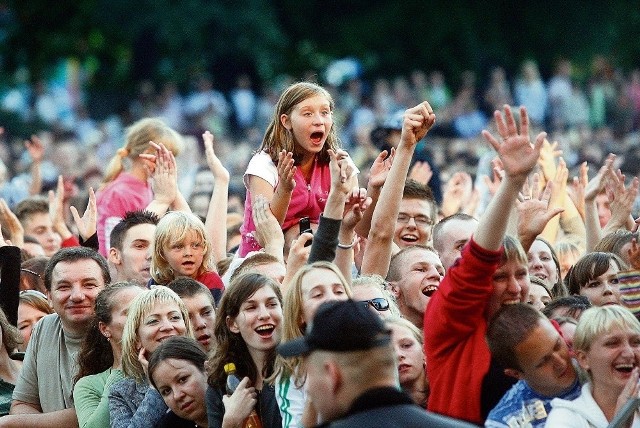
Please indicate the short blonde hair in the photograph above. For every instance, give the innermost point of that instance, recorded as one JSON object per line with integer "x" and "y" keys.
{"x": 171, "y": 229}
{"x": 599, "y": 320}
{"x": 140, "y": 306}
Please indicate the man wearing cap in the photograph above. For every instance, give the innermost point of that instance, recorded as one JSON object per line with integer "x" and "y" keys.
{"x": 351, "y": 371}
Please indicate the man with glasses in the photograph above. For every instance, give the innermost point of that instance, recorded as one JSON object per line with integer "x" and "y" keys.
{"x": 416, "y": 216}
{"x": 43, "y": 394}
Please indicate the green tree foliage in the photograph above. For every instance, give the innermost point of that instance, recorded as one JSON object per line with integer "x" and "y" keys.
{"x": 159, "y": 39}
{"x": 123, "y": 41}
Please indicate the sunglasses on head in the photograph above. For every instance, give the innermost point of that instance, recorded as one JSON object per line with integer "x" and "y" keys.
{"x": 380, "y": 304}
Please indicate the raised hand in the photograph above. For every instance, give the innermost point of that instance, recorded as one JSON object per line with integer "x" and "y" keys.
{"x": 380, "y": 169}
{"x": 341, "y": 170}
{"x": 87, "y": 224}
{"x": 457, "y": 193}
{"x": 416, "y": 123}
{"x": 35, "y": 147}
{"x": 598, "y": 183}
{"x": 268, "y": 231}
{"x": 534, "y": 210}
{"x": 421, "y": 172}
{"x": 56, "y": 209}
{"x": 577, "y": 189}
{"x": 357, "y": 202}
{"x": 621, "y": 200}
{"x": 164, "y": 177}
{"x": 518, "y": 155}
{"x": 215, "y": 166}
{"x": 493, "y": 182}
{"x": 286, "y": 171}
{"x": 547, "y": 159}
{"x": 9, "y": 220}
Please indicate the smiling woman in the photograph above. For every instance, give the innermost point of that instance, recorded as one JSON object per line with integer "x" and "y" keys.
{"x": 247, "y": 330}
{"x": 154, "y": 316}
{"x": 595, "y": 276}
{"x": 607, "y": 346}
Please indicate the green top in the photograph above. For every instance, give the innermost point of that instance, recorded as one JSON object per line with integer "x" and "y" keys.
{"x": 91, "y": 398}
{"x": 6, "y": 390}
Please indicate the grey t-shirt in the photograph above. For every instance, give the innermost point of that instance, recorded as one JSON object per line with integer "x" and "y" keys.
{"x": 50, "y": 363}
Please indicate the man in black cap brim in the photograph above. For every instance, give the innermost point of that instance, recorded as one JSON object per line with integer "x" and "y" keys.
{"x": 351, "y": 371}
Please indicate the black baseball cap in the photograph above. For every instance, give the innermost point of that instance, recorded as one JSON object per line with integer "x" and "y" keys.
{"x": 339, "y": 326}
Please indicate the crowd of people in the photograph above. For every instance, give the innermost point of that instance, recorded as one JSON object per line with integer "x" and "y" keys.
{"x": 377, "y": 288}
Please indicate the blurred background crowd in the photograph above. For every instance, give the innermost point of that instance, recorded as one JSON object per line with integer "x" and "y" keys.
{"x": 76, "y": 75}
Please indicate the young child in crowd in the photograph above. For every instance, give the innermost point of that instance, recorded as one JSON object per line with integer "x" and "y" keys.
{"x": 126, "y": 184}
{"x": 291, "y": 167}
{"x": 181, "y": 249}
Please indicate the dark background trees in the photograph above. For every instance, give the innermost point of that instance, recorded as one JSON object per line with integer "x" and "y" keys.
{"x": 119, "y": 42}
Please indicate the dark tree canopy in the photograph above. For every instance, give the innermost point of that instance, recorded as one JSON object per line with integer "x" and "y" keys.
{"x": 123, "y": 41}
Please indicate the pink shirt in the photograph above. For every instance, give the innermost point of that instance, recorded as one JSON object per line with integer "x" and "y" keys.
{"x": 307, "y": 200}
{"x": 125, "y": 193}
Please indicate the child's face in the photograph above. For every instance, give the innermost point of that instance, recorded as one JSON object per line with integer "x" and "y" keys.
{"x": 185, "y": 257}
{"x": 310, "y": 121}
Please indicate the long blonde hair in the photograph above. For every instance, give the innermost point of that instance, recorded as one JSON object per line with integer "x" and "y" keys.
{"x": 293, "y": 325}
{"x": 137, "y": 140}
{"x": 278, "y": 138}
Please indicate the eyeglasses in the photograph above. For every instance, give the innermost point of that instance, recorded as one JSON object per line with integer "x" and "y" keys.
{"x": 421, "y": 220}
{"x": 380, "y": 304}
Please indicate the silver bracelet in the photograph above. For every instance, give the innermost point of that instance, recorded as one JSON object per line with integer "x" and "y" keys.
{"x": 348, "y": 246}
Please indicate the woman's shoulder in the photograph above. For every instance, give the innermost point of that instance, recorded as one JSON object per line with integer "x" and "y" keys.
{"x": 128, "y": 386}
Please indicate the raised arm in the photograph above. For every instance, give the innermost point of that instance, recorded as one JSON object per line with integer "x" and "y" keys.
{"x": 326, "y": 237}
{"x": 36, "y": 152}
{"x": 87, "y": 224}
{"x": 356, "y": 204}
{"x": 9, "y": 220}
{"x": 416, "y": 123}
{"x": 556, "y": 200}
{"x": 591, "y": 190}
{"x": 268, "y": 231}
{"x": 534, "y": 212}
{"x": 56, "y": 210}
{"x": 519, "y": 156}
{"x": 216, "y": 220}
{"x": 621, "y": 198}
{"x": 377, "y": 176}
{"x": 280, "y": 196}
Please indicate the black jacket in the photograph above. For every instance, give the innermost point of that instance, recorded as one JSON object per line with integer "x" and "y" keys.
{"x": 267, "y": 407}
{"x": 390, "y": 408}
